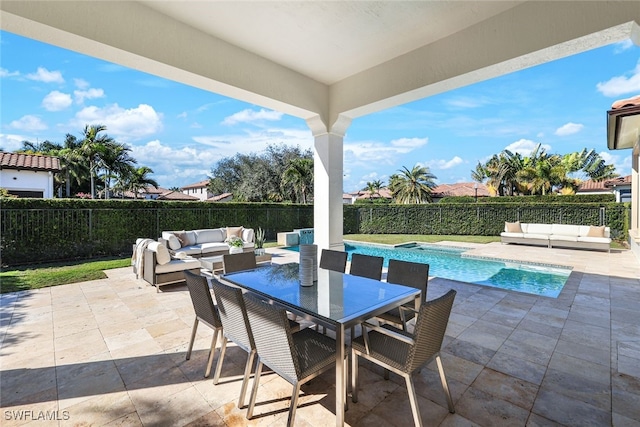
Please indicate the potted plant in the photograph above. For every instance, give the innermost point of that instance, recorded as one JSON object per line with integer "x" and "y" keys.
{"x": 236, "y": 245}
{"x": 259, "y": 242}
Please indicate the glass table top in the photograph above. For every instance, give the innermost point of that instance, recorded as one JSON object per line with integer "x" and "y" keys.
{"x": 335, "y": 296}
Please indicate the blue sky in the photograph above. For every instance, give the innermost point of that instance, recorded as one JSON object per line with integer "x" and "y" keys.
{"x": 181, "y": 132}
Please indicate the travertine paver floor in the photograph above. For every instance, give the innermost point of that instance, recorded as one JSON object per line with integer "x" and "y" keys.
{"x": 112, "y": 352}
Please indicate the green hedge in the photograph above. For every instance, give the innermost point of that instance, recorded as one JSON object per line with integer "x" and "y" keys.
{"x": 550, "y": 198}
{"x": 37, "y": 230}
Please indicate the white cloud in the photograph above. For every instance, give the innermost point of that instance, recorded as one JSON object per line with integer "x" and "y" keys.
{"x": 132, "y": 123}
{"x": 46, "y": 76}
{"x": 92, "y": 93}
{"x": 464, "y": 102}
{"x": 409, "y": 144}
{"x": 256, "y": 141}
{"x": 182, "y": 115}
{"x": 622, "y": 46}
{"x": 621, "y": 85}
{"x": 444, "y": 164}
{"x": 622, "y": 164}
{"x": 525, "y": 147}
{"x": 9, "y": 142}
{"x": 568, "y": 129}
{"x": 81, "y": 83}
{"x": 56, "y": 101}
{"x": 6, "y": 73}
{"x": 249, "y": 115}
{"x": 28, "y": 123}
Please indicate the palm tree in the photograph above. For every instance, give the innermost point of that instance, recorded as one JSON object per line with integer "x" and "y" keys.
{"x": 373, "y": 187}
{"x": 299, "y": 174}
{"x": 136, "y": 180}
{"x": 93, "y": 148}
{"x": 115, "y": 161}
{"x": 72, "y": 163}
{"x": 412, "y": 186}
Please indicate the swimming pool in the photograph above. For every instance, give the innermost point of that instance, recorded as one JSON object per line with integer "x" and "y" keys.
{"x": 448, "y": 263}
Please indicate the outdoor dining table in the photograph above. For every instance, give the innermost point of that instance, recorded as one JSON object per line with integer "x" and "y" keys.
{"x": 337, "y": 301}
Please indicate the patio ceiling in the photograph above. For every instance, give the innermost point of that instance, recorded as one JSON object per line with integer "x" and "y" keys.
{"x": 324, "y": 59}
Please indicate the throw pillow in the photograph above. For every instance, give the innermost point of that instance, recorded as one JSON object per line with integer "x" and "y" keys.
{"x": 162, "y": 253}
{"x": 513, "y": 227}
{"x": 234, "y": 231}
{"x": 173, "y": 242}
{"x": 182, "y": 237}
{"x": 596, "y": 231}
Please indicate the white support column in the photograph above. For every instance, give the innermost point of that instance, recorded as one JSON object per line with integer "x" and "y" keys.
{"x": 327, "y": 182}
{"x": 635, "y": 192}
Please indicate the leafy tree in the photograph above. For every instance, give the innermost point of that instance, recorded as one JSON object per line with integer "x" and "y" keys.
{"x": 136, "y": 180}
{"x": 412, "y": 186}
{"x": 373, "y": 187}
{"x": 93, "y": 148}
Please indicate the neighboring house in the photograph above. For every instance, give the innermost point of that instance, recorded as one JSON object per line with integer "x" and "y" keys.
{"x": 347, "y": 199}
{"x": 149, "y": 193}
{"x": 384, "y": 193}
{"x": 620, "y": 186}
{"x": 199, "y": 190}
{"x": 472, "y": 189}
{"x": 28, "y": 175}
{"x": 224, "y": 197}
{"x": 177, "y": 196}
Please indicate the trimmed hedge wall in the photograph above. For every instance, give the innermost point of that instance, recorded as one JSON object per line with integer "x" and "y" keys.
{"x": 38, "y": 230}
{"x": 550, "y": 198}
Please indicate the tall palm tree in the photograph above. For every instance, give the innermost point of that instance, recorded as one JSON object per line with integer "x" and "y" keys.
{"x": 373, "y": 188}
{"x": 115, "y": 160}
{"x": 93, "y": 148}
{"x": 412, "y": 186}
{"x": 299, "y": 174}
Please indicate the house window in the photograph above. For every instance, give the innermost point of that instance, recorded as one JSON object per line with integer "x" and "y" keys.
{"x": 27, "y": 194}
{"x": 625, "y": 195}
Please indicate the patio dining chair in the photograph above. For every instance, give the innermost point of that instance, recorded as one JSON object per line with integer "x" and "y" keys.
{"x": 296, "y": 357}
{"x": 206, "y": 313}
{"x": 233, "y": 314}
{"x": 413, "y": 274}
{"x": 366, "y": 266}
{"x": 403, "y": 353}
{"x": 333, "y": 260}
{"x": 238, "y": 262}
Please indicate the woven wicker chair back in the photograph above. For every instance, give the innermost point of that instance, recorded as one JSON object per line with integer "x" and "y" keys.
{"x": 233, "y": 314}
{"x": 272, "y": 336}
{"x": 201, "y": 299}
{"x": 431, "y": 325}
{"x": 366, "y": 266}
{"x": 408, "y": 273}
{"x": 333, "y": 260}
{"x": 238, "y": 262}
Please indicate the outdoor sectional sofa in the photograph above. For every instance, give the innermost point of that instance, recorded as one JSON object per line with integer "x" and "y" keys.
{"x": 557, "y": 235}
{"x": 176, "y": 251}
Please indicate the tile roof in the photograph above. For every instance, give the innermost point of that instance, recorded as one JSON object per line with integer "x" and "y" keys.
{"x": 219, "y": 197}
{"x": 29, "y": 162}
{"x": 383, "y": 193}
{"x": 460, "y": 189}
{"x": 629, "y": 102}
{"x": 178, "y": 196}
{"x": 200, "y": 184}
{"x": 590, "y": 185}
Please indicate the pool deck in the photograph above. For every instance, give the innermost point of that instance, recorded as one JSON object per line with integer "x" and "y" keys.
{"x": 112, "y": 352}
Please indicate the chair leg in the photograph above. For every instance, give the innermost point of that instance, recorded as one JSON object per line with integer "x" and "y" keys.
{"x": 221, "y": 352}
{"x": 212, "y": 351}
{"x": 413, "y": 400}
{"x": 445, "y": 385}
{"x": 345, "y": 380}
{"x": 354, "y": 377}
{"x": 247, "y": 375}
{"x": 193, "y": 338}
{"x": 254, "y": 392}
{"x": 294, "y": 405}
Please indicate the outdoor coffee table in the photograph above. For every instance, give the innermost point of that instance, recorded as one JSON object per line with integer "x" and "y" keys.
{"x": 214, "y": 263}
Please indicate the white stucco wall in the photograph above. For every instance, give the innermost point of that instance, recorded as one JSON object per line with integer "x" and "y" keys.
{"x": 19, "y": 180}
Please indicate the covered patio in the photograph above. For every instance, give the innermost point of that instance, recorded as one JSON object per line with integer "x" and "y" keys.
{"x": 112, "y": 352}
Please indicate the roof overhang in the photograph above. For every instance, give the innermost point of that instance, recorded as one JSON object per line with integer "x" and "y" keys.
{"x": 623, "y": 127}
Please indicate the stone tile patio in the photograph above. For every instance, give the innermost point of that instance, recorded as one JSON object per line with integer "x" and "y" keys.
{"x": 112, "y": 352}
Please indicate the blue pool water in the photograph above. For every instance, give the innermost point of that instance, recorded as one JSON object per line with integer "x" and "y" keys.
{"x": 448, "y": 263}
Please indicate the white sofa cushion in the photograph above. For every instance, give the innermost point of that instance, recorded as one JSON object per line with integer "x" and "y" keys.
{"x": 565, "y": 230}
{"x": 214, "y": 247}
{"x": 178, "y": 265}
{"x": 162, "y": 253}
{"x": 192, "y": 250}
{"x": 536, "y": 236}
{"x": 563, "y": 238}
{"x": 587, "y": 239}
{"x": 505, "y": 234}
{"x": 248, "y": 235}
{"x": 209, "y": 235}
{"x": 538, "y": 229}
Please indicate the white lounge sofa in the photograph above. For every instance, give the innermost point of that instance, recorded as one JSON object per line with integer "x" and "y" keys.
{"x": 206, "y": 242}
{"x": 557, "y": 235}
{"x": 158, "y": 267}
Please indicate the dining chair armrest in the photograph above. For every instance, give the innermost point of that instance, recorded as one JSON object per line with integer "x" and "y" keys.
{"x": 385, "y": 331}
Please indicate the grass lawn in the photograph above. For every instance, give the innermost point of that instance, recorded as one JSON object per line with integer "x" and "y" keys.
{"x": 40, "y": 276}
